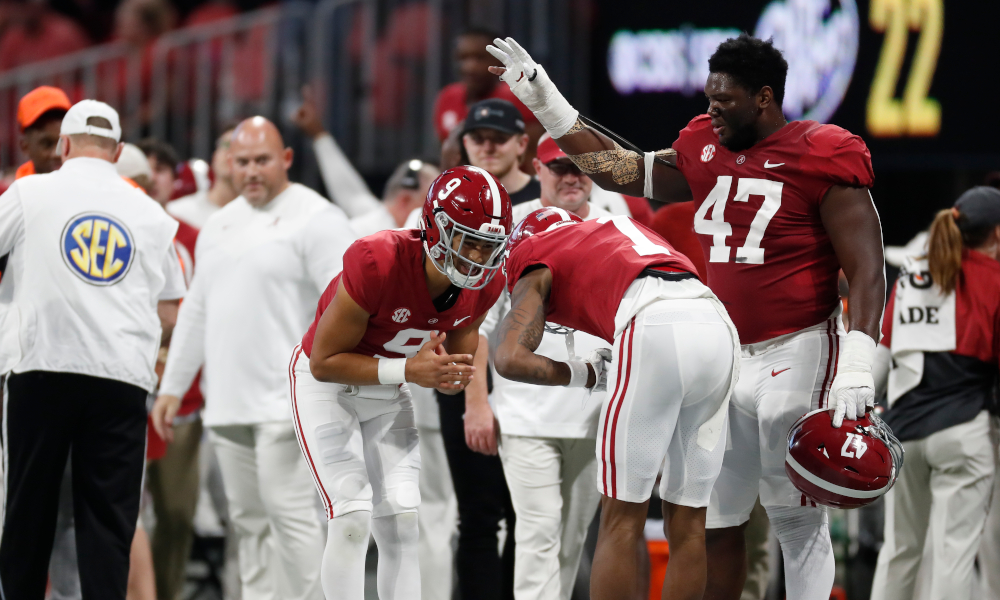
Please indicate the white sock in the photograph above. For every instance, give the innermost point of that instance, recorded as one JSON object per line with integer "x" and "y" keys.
{"x": 398, "y": 556}
{"x": 807, "y": 550}
{"x": 343, "y": 571}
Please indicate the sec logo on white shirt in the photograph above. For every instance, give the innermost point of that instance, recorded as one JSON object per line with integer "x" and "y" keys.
{"x": 98, "y": 248}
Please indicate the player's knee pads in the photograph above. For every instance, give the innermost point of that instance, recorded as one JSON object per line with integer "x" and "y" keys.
{"x": 799, "y": 524}
{"x": 343, "y": 468}
{"x": 350, "y": 530}
{"x": 400, "y": 530}
{"x": 402, "y": 492}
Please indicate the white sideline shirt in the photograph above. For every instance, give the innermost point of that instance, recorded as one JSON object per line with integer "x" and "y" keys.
{"x": 260, "y": 275}
{"x": 194, "y": 209}
{"x": 545, "y": 411}
{"x": 90, "y": 257}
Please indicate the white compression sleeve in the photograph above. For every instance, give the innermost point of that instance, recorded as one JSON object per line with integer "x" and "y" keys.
{"x": 343, "y": 570}
{"x": 398, "y": 555}
{"x": 343, "y": 182}
{"x": 807, "y": 550}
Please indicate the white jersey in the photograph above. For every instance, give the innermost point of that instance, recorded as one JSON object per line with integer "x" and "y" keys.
{"x": 90, "y": 257}
{"x": 530, "y": 410}
{"x": 260, "y": 274}
{"x": 194, "y": 209}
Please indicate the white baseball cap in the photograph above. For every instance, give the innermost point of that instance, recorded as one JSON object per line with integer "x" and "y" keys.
{"x": 132, "y": 162}
{"x": 75, "y": 121}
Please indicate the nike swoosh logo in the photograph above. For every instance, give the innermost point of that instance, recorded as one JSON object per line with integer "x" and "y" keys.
{"x": 776, "y": 373}
{"x": 768, "y": 165}
{"x": 457, "y": 321}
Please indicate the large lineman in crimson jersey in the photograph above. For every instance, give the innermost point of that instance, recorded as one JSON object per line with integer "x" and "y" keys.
{"x": 780, "y": 208}
{"x": 405, "y": 311}
{"x": 673, "y": 364}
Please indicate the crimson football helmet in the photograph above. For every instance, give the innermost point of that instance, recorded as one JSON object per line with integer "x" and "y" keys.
{"x": 538, "y": 221}
{"x": 467, "y": 209}
{"x": 845, "y": 467}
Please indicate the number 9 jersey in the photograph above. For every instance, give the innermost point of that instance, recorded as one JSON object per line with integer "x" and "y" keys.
{"x": 769, "y": 259}
{"x": 384, "y": 274}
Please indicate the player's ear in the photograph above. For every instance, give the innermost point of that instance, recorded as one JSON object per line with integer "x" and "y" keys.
{"x": 287, "y": 156}
{"x": 765, "y": 97}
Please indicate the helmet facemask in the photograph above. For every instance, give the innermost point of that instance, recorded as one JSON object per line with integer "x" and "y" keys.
{"x": 880, "y": 431}
{"x": 453, "y": 238}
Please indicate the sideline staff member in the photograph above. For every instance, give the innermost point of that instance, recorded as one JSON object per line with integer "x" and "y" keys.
{"x": 90, "y": 257}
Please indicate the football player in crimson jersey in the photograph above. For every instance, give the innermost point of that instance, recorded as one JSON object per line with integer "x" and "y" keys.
{"x": 406, "y": 309}
{"x": 780, "y": 208}
{"x": 674, "y": 363}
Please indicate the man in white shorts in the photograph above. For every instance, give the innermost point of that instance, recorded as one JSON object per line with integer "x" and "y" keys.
{"x": 674, "y": 363}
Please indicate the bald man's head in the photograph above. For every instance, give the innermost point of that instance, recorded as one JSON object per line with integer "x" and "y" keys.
{"x": 259, "y": 161}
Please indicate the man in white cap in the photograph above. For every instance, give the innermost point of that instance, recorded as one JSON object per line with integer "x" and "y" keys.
{"x": 79, "y": 333}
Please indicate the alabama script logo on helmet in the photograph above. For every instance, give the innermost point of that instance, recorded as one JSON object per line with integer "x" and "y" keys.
{"x": 845, "y": 467}
{"x": 97, "y": 248}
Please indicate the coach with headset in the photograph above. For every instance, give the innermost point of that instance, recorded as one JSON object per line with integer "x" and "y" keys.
{"x": 92, "y": 271}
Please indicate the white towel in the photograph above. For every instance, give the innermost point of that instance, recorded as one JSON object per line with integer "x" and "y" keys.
{"x": 923, "y": 320}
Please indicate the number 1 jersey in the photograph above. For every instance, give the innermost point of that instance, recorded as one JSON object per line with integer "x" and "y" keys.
{"x": 384, "y": 274}
{"x": 593, "y": 263}
{"x": 768, "y": 257}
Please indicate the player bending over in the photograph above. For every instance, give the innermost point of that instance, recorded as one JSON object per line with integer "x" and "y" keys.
{"x": 673, "y": 366}
{"x": 781, "y": 208}
{"x": 406, "y": 309}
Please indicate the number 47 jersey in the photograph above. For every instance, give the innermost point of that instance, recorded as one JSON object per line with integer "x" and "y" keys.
{"x": 769, "y": 259}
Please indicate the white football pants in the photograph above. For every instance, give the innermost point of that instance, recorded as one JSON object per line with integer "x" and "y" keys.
{"x": 438, "y": 513}
{"x": 943, "y": 491}
{"x": 272, "y": 504}
{"x": 551, "y": 483}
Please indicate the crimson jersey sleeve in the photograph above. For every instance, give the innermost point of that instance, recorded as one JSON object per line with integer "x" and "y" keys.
{"x": 362, "y": 277}
{"x": 838, "y": 157}
{"x": 685, "y": 144}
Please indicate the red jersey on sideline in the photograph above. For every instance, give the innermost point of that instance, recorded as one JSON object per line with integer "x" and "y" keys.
{"x": 770, "y": 260}
{"x": 977, "y": 309}
{"x": 450, "y": 108}
{"x": 593, "y": 263}
{"x": 675, "y": 223}
{"x": 384, "y": 274}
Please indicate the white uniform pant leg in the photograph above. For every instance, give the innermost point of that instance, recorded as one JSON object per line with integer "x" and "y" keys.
{"x": 532, "y": 467}
{"x": 234, "y": 448}
{"x": 290, "y": 501}
{"x": 670, "y": 377}
{"x": 438, "y": 517}
{"x": 580, "y": 501}
{"x": 989, "y": 546}
{"x": 946, "y": 495}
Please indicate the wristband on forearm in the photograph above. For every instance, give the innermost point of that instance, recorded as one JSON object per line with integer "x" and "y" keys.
{"x": 578, "y": 373}
{"x": 392, "y": 370}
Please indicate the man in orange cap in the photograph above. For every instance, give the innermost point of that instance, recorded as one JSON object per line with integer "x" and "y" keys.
{"x": 40, "y": 113}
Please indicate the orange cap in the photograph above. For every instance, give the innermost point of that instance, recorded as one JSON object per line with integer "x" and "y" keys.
{"x": 39, "y": 101}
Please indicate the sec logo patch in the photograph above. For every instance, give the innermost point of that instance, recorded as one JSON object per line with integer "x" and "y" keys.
{"x": 708, "y": 152}
{"x": 98, "y": 248}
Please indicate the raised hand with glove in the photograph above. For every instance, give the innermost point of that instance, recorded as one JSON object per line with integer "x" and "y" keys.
{"x": 532, "y": 86}
{"x": 853, "y": 389}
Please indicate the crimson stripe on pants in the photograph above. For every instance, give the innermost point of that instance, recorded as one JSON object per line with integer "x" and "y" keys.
{"x": 292, "y": 380}
{"x": 607, "y": 417}
{"x": 831, "y": 329}
{"x": 621, "y": 401}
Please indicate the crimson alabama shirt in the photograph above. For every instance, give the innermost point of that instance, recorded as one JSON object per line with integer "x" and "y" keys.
{"x": 593, "y": 263}
{"x": 769, "y": 259}
{"x": 384, "y": 274}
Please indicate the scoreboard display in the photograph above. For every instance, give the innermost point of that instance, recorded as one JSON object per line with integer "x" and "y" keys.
{"x": 917, "y": 79}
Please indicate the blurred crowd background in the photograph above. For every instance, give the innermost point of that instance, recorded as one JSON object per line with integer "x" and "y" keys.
{"x": 371, "y": 73}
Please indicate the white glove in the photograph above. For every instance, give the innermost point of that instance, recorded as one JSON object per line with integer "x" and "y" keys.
{"x": 532, "y": 86}
{"x": 597, "y": 360}
{"x": 853, "y": 389}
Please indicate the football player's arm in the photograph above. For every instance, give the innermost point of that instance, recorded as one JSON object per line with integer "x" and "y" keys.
{"x": 851, "y": 221}
{"x": 339, "y": 332}
{"x": 521, "y": 332}
{"x": 608, "y": 164}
